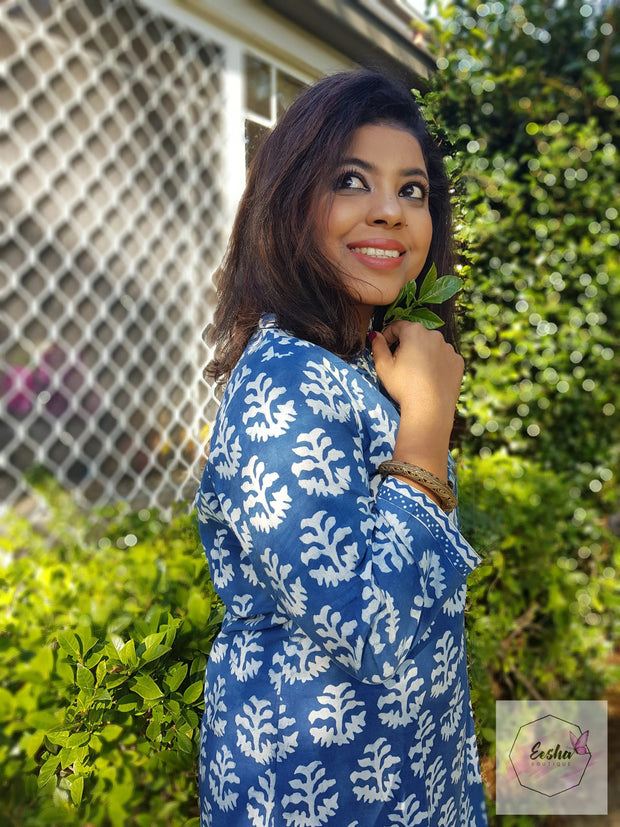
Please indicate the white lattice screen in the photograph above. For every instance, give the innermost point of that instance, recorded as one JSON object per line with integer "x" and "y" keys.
{"x": 111, "y": 143}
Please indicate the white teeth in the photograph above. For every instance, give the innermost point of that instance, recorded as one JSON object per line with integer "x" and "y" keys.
{"x": 375, "y": 252}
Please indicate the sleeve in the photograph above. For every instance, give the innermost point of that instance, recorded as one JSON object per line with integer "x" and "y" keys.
{"x": 361, "y": 566}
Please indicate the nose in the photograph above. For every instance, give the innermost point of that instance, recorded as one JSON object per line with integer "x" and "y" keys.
{"x": 385, "y": 209}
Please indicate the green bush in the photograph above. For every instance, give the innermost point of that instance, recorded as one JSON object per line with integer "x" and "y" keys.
{"x": 544, "y": 602}
{"x": 526, "y": 98}
{"x": 525, "y": 102}
{"x": 543, "y": 610}
{"x": 107, "y": 622}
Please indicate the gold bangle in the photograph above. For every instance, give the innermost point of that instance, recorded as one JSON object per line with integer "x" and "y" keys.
{"x": 445, "y": 494}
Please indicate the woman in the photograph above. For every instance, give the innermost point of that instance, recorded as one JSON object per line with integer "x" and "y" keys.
{"x": 336, "y": 692}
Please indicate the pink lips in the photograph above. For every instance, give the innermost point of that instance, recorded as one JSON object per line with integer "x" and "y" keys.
{"x": 367, "y": 251}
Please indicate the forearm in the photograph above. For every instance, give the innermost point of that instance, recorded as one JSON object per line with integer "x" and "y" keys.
{"x": 423, "y": 444}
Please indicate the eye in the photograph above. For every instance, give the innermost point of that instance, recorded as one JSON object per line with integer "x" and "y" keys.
{"x": 414, "y": 190}
{"x": 351, "y": 181}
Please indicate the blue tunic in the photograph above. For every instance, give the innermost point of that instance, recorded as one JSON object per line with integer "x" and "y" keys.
{"x": 336, "y": 693}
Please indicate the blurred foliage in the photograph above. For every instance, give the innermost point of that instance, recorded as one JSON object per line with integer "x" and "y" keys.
{"x": 107, "y": 620}
{"x": 525, "y": 102}
{"x": 544, "y": 606}
{"x": 526, "y": 99}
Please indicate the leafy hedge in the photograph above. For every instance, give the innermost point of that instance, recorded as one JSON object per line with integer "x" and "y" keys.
{"x": 544, "y": 604}
{"x": 526, "y": 102}
{"x": 543, "y": 610}
{"x": 107, "y": 621}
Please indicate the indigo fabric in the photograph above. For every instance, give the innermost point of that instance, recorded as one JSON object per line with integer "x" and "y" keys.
{"x": 336, "y": 693}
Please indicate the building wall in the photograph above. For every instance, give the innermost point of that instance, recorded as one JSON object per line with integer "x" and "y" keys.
{"x": 125, "y": 131}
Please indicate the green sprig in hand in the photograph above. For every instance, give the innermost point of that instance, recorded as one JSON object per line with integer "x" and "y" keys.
{"x": 408, "y": 306}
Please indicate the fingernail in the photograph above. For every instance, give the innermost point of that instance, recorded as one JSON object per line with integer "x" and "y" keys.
{"x": 372, "y": 335}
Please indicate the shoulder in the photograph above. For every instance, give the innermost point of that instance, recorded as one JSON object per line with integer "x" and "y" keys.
{"x": 287, "y": 390}
{"x": 295, "y": 364}
{"x": 280, "y": 372}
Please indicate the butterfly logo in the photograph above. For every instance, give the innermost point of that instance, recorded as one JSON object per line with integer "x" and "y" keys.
{"x": 580, "y": 745}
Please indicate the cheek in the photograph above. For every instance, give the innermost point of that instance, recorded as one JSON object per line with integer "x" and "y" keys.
{"x": 341, "y": 218}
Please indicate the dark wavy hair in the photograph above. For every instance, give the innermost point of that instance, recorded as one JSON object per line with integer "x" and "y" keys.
{"x": 273, "y": 263}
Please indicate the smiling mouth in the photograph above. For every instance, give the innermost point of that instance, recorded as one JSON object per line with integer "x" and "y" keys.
{"x": 376, "y": 252}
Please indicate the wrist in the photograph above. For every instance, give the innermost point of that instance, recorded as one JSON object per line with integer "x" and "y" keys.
{"x": 425, "y": 456}
{"x": 426, "y": 447}
{"x": 435, "y": 487}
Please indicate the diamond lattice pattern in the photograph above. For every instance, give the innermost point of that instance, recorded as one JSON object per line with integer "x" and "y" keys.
{"x": 111, "y": 150}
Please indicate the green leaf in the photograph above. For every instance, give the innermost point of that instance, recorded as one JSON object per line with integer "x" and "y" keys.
{"x": 153, "y": 730}
{"x": 67, "y": 756}
{"x": 48, "y": 768}
{"x": 154, "y": 652}
{"x": 427, "y": 285}
{"x": 95, "y": 744}
{"x": 174, "y": 707}
{"x": 128, "y": 654}
{"x": 146, "y": 687}
{"x": 101, "y": 694}
{"x": 117, "y": 644}
{"x": 430, "y": 320}
{"x": 193, "y": 692}
{"x": 152, "y": 640}
{"x": 43, "y": 663}
{"x": 59, "y": 738}
{"x": 68, "y": 642}
{"x": 43, "y": 719}
{"x": 114, "y": 681}
{"x": 101, "y": 672}
{"x": 77, "y": 789}
{"x": 397, "y": 314}
{"x": 176, "y": 676}
{"x": 64, "y": 671}
{"x": 444, "y": 289}
{"x": 6, "y": 704}
{"x": 111, "y": 732}
{"x": 84, "y": 677}
{"x": 85, "y": 698}
{"x": 198, "y": 664}
{"x": 31, "y": 743}
{"x": 192, "y": 719}
{"x": 127, "y": 703}
{"x": 93, "y": 659}
{"x": 87, "y": 641}
{"x": 409, "y": 307}
{"x": 198, "y": 608}
{"x": 184, "y": 743}
{"x": 78, "y": 739}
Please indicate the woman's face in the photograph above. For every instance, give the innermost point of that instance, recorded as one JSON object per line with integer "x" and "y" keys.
{"x": 379, "y": 228}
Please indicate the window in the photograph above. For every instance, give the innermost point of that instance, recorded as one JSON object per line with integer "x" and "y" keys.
{"x": 268, "y": 92}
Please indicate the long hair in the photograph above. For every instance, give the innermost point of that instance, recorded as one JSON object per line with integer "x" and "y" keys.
{"x": 273, "y": 263}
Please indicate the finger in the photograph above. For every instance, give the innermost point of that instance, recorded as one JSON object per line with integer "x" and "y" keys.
{"x": 380, "y": 349}
{"x": 397, "y": 331}
{"x": 394, "y": 331}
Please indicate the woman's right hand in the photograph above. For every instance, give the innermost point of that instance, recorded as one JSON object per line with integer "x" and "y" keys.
{"x": 423, "y": 374}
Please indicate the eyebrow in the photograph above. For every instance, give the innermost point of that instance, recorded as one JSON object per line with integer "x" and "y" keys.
{"x": 368, "y": 167}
